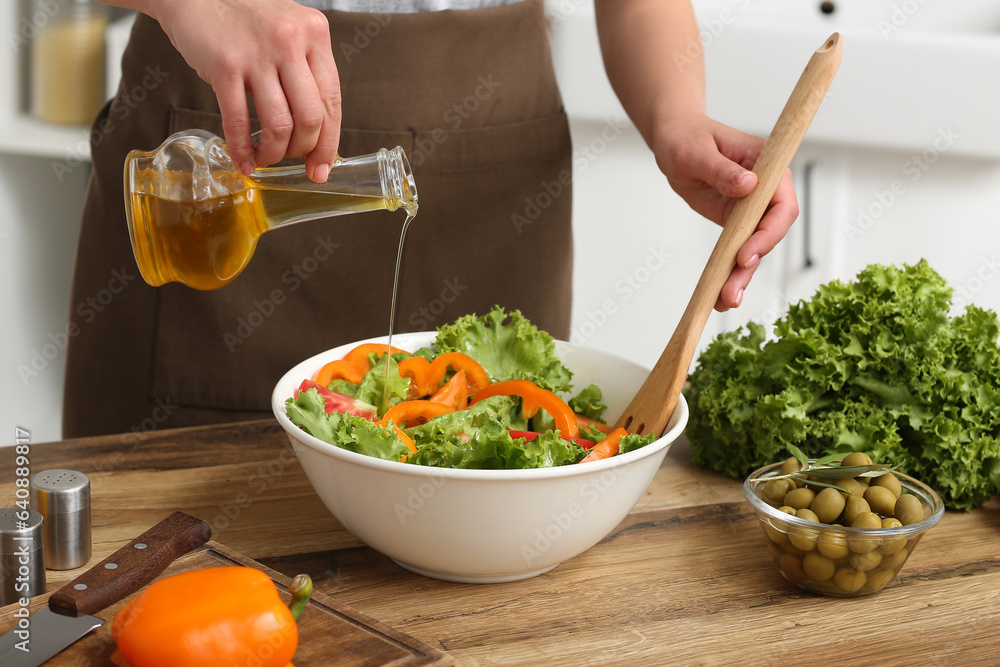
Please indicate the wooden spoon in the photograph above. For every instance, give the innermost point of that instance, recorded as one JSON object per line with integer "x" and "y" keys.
{"x": 650, "y": 410}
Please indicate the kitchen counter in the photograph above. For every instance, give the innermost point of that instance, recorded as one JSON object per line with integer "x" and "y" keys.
{"x": 685, "y": 579}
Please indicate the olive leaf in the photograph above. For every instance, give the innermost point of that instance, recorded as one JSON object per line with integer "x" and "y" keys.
{"x": 830, "y": 458}
{"x": 843, "y": 472}
{"x": 814, "y": 476}
{"x": 800, "y": 455}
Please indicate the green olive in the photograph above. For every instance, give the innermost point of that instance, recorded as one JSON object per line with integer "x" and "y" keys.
{"x": 889, "y": 481}
{"x": 832, "y": 545}
{"x": 791, "y": 567}
{"x": 774, "y": 534}
{"x": 852, "y": 486}
{"x": 861, "y": 544}
{"x": 795, "y": 551}
{"x": 867, "y": 520}
{"x": 828, "y": 504}
{"x": 853, "y": 507}
{"x": 894, "y": 561}
{"x": 787, "y": 509}
{"x": 790, "y": 465}
{"x": 879, "y": 579}
{"x": 866, "y": 561}
{"x": 804, "y": 539}
{"x": 880, "y": 500}
{"x": 817, "y": 566}
{"x": 908, "y": 509}
{"x": 849, "y": 580}
{"x": 800, "y": 498}
{"x": 775, "y": 490}
{"x": 856, "y": 459}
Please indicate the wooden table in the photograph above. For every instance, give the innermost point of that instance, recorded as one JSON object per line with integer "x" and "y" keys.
{"x": 685, "y": 579}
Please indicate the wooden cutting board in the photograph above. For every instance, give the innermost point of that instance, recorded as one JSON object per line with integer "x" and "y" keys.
{"x": 329, "y": 632}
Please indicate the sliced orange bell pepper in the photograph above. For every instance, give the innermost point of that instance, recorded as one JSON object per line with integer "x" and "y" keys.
{"x": 606, "y": 448}
{"x": 361, "y": 352}
{"x": 210, "y": 617}
{"x": 454, "y": 392}
{"x": 353, "y": 365}
{"x": 418, "y": 370}
{"x": 475, "y": 375}
{"x": 534, "y": 397}
{"x": 584, "y": 422}
{"x": 343, "y": 369}
{"x": 426, "y": 376}
{"x": 409, "y": 412}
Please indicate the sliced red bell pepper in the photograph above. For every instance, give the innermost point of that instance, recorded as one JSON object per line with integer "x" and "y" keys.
{"x": 534, "y": 397}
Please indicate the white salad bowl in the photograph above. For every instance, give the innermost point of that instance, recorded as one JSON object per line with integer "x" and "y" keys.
{"x": 481, "y": 526}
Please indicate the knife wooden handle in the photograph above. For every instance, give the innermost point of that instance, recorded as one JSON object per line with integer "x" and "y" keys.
{"x": 131, "y": 567}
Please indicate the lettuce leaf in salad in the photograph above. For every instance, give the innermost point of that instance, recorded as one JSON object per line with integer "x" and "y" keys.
{"x": 507, "y": 346}
{"x": 344, "y": 387}
{"x": 370, "y": 388}
{"x": 492, "y": 447}
{"x": 502, "y": 410}
{"x": 634, "y": 441}
{"x": 588, "y": 403}
{"x": 356, "y": 434}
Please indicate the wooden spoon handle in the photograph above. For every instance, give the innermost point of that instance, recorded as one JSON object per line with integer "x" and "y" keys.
{"x": 652, "y": 406}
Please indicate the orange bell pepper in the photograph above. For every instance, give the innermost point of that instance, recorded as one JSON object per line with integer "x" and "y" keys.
{"x": 353, "y": 365}
{"x": 606, "y": 448}
{"x": 408, "y": 412}
{"x": 343, "y": 369}
{"x": 534, "y": 397}
{"x": 426, "y": 376}
{"x": 476, "y": 376}
{"x": 361, "y": 352}
{"x": 418, "y": 370}
{"x": 454, "y": 392}
{"x": 210, "y": 617}
{"x": 584, "y": 422}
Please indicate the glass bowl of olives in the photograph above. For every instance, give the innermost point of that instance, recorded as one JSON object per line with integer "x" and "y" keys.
{"x": 840, "y": 527}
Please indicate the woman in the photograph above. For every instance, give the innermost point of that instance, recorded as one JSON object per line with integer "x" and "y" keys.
{"x": 470, "y": 95}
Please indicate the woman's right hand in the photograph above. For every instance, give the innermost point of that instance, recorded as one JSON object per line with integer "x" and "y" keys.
{"x": 277, "y": 50}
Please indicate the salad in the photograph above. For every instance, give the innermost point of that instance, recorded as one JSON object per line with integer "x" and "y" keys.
{"x": 487, "y": 395}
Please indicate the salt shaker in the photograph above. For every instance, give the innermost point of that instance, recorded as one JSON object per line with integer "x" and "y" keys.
{"x": 63, "y": 498}
{"x": 22, "y": 554}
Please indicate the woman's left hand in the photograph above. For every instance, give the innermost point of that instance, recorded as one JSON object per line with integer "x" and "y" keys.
{"x": 708, "y": 164}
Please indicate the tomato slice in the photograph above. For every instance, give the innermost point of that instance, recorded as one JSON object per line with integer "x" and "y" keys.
{"x": 337, "y": 402}
{"x": 531, "y": 435}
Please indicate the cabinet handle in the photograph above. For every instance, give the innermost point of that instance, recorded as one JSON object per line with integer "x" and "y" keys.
{"x": 807, "y": 213}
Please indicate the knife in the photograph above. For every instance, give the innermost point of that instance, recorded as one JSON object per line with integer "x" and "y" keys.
{"x": 69, "y": 614}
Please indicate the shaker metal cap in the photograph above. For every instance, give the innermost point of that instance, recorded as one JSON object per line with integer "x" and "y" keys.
{"x": 60, "y": 491}
{"x": 14, "y": 533}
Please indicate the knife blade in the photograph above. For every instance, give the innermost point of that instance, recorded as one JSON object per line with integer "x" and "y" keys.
{"x": 70, "y": 612}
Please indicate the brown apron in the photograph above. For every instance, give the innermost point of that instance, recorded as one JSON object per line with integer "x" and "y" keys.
{"x": 472, "y": 99}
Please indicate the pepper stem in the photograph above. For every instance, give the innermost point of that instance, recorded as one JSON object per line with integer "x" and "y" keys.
{"x": 301, "y": 588}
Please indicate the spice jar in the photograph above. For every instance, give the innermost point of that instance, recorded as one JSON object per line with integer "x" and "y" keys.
{"x": 68, "y": 61}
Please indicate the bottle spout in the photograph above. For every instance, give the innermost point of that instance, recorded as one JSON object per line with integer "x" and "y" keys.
{"x": 397, "y": 180}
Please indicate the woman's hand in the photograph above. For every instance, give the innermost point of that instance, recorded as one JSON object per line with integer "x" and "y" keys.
{"x": 708, "y": 164}
{"x": 280, "y": 52}
{"x": 653, "y": 56}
